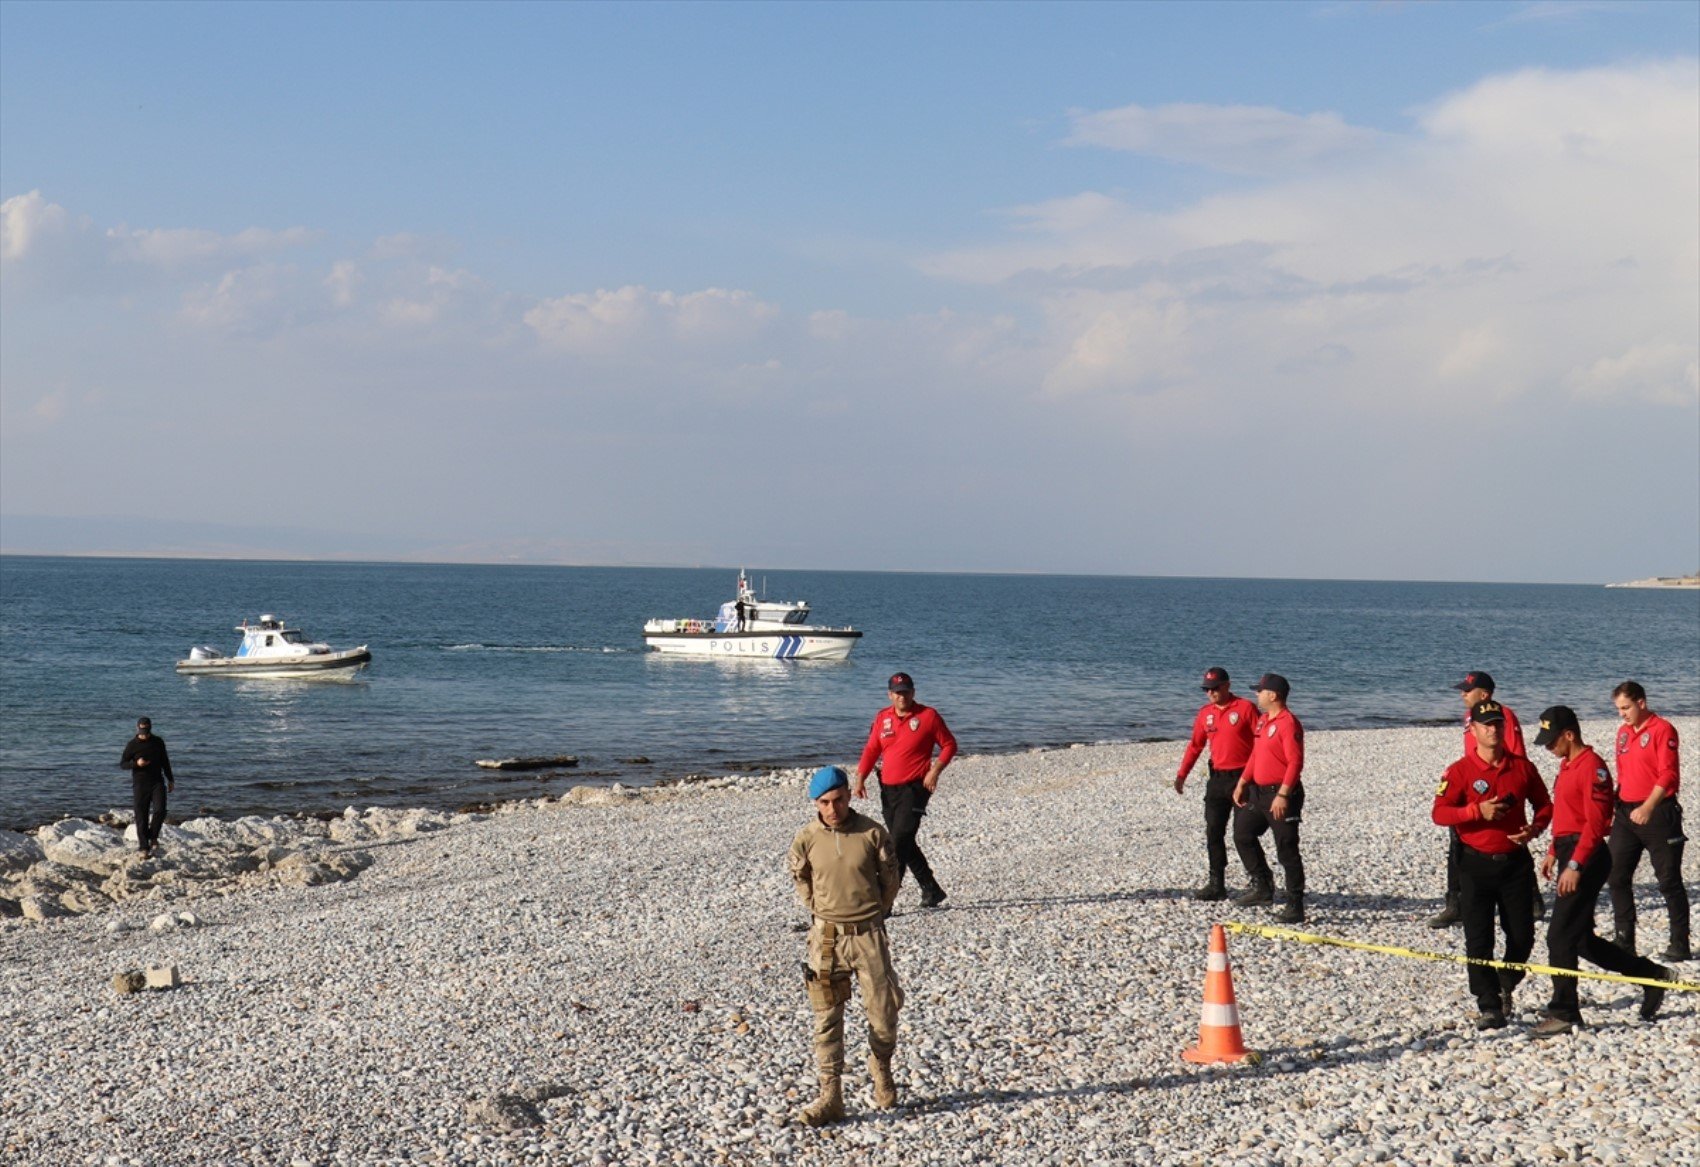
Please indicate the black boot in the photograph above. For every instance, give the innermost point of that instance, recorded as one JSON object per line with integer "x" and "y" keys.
{"x": 1212, "y": 891}
{"x": 1678, "y": 951}
{"x": 1261, "y": 891}
{"x": 932, "y": 896}
{"x": 1450, "y": 913}
{"x": 1293, "y": 911}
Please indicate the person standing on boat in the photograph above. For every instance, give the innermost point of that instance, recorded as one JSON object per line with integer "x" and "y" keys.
{"x": 901, "y": 743}
{"x": 1226, "y": 723}
{"x": 150, "y": 780}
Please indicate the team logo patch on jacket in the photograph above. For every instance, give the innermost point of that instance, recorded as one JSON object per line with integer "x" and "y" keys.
{"x": 1645, "y": 738}
{"x": 1602, "y": 776}
{"x": 1480, "y": 786}
{"x": 1271, "y": 732}
{"x": 914, "y": 724}
{"x": 1234, "y": 719}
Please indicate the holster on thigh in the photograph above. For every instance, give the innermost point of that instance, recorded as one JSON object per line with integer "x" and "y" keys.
{"x": 827, "y": 994}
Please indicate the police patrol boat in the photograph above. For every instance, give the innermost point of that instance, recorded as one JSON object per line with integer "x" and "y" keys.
{"x": 749, "y": 626}
{"x": 269, "y": 649}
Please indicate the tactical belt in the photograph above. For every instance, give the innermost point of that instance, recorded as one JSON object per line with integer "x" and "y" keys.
{"x": 830, "y": 930}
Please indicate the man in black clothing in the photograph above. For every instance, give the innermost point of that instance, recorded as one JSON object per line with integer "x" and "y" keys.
{"x": 150, "y": 780}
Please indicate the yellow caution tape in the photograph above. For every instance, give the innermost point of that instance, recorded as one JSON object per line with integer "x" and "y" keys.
{"x": 1415, "y": 954}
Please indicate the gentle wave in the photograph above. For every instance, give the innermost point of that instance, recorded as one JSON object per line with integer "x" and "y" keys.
{"x": 607, "y": 648}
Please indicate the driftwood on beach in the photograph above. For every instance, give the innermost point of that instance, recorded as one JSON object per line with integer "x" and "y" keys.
{"x": 561, "y": 761}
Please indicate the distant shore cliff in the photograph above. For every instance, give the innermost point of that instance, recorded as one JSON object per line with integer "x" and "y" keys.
{"x": 1662, "y": 581}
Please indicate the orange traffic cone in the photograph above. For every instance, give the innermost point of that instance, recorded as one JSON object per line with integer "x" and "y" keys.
{"x": 1219, "y": 1033}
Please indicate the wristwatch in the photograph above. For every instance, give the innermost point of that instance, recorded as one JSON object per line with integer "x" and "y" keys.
{"x": 1573, "y": 866}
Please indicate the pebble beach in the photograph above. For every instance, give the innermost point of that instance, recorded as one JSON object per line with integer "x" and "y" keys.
{"x": 613, "y": 977}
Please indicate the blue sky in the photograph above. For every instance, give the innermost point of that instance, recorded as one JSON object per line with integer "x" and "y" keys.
{"x": 556, "y": 277}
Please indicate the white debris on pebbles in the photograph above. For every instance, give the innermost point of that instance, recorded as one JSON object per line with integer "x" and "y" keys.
{"x": 510, "y": 991}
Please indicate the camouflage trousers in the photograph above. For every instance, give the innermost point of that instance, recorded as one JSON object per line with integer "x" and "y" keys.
{"x": 838, "y": 953}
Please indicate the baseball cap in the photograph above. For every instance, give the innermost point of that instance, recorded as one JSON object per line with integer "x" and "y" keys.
{"x": 1555, "y": 721}
{"x": 1275, "y": 683}
{"x": 1214, "y": 678}
{"x": 900, "y": 683}
{"x": 826, "y": 780}
{"x": 1475, "y": 680}
{"x": 1488, "y": 713}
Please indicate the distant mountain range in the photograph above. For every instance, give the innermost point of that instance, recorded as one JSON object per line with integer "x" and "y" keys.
{"x": 128, "y": 536}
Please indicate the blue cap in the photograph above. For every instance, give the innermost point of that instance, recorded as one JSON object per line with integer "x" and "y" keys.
{"x": 826, "y": 780}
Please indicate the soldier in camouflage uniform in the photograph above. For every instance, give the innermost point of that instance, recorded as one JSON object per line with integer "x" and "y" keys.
{"x": 846, "y": 876}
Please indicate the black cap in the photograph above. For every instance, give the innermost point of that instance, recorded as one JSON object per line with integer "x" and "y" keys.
{"x": 900, "y": 683}
{"x": 1555, "y": 721}
{"x": 144, "y": 723}
{"x": 1275, "y": 683}
{"x": 1488, "y": 713}
{"x": 1475, "y": 680}
{"x": 1215, "y": 678}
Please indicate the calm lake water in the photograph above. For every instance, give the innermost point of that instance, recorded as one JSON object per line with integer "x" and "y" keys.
{"x": 476, "y": 661}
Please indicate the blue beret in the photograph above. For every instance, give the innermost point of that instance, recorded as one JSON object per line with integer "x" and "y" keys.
{"x": 826, "y": 780}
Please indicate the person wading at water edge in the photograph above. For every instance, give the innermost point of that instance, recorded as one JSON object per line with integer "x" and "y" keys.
{"x": 150, "y": 780}
{"x": 1483, "y": 797}
{"x": 846, "y": 875}
{"x": 1227, "y": 723}
{"x": 1582, "y": 805}
{"x": 902, "y": 741}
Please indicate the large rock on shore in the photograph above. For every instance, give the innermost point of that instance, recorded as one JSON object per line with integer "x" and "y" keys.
{"x": 77, "y": 865}
{"x": 18, "y": 851}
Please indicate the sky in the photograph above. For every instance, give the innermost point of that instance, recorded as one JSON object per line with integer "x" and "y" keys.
{"x": 1315, "y": 290}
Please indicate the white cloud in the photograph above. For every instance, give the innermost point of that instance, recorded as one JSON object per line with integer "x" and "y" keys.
{"x": 626, "y": 321}
{"x": 182, "y": 247}
{"x": 1531, "y": 235}
{"x": 1660, "y": 373}
{"x": 25, "y": 219}
{"x": 1240, "y": 139}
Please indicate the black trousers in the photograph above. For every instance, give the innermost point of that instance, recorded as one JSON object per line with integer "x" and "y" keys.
{"x": 1663, "y": 840}
{"x": 1454, "y": 848}
{"x": 903, "y": 807}
{"x": 1218, "y": 810}
{"x": 1252, "y": 819}
{"x": 149, "y": 805}
{"x": 1506, "y": 883}
{"x": 1570, "y": 933}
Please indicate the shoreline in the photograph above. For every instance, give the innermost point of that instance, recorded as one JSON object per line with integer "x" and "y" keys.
{"x": 608, "y": 776}
{"x": 626, "y": 962}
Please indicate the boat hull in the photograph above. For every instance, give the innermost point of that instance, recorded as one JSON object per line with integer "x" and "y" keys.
{"x": 330, "y": 664}
{"x": 802, "y": 644}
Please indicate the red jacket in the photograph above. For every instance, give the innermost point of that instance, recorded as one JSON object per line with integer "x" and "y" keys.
{"x": 1582, "y": 804}
{"x": 1229, "y": 730}
{"x": 1470, "y": 781}
{"x": 1647, "y": 757}
{"x": 1278, "y": 751}
{"x": 903, "y": 746}
{"x": 1511, "y": 737}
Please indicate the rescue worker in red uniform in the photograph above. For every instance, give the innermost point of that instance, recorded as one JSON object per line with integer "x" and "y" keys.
{"x": 1270, "y": 797}
{"x": 1477, "y": 686}
{"x": 1497, "y": 803}
{"x": 901, "y": 742}
{"x": 1648, "y": 818}
{"x": 1582, "y": 805}
{"x": 1227, "y": 723}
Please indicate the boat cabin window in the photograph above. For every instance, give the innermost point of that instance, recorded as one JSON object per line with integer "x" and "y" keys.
{"x": 293, "y": 637}
{"x": 269, "y": 640}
